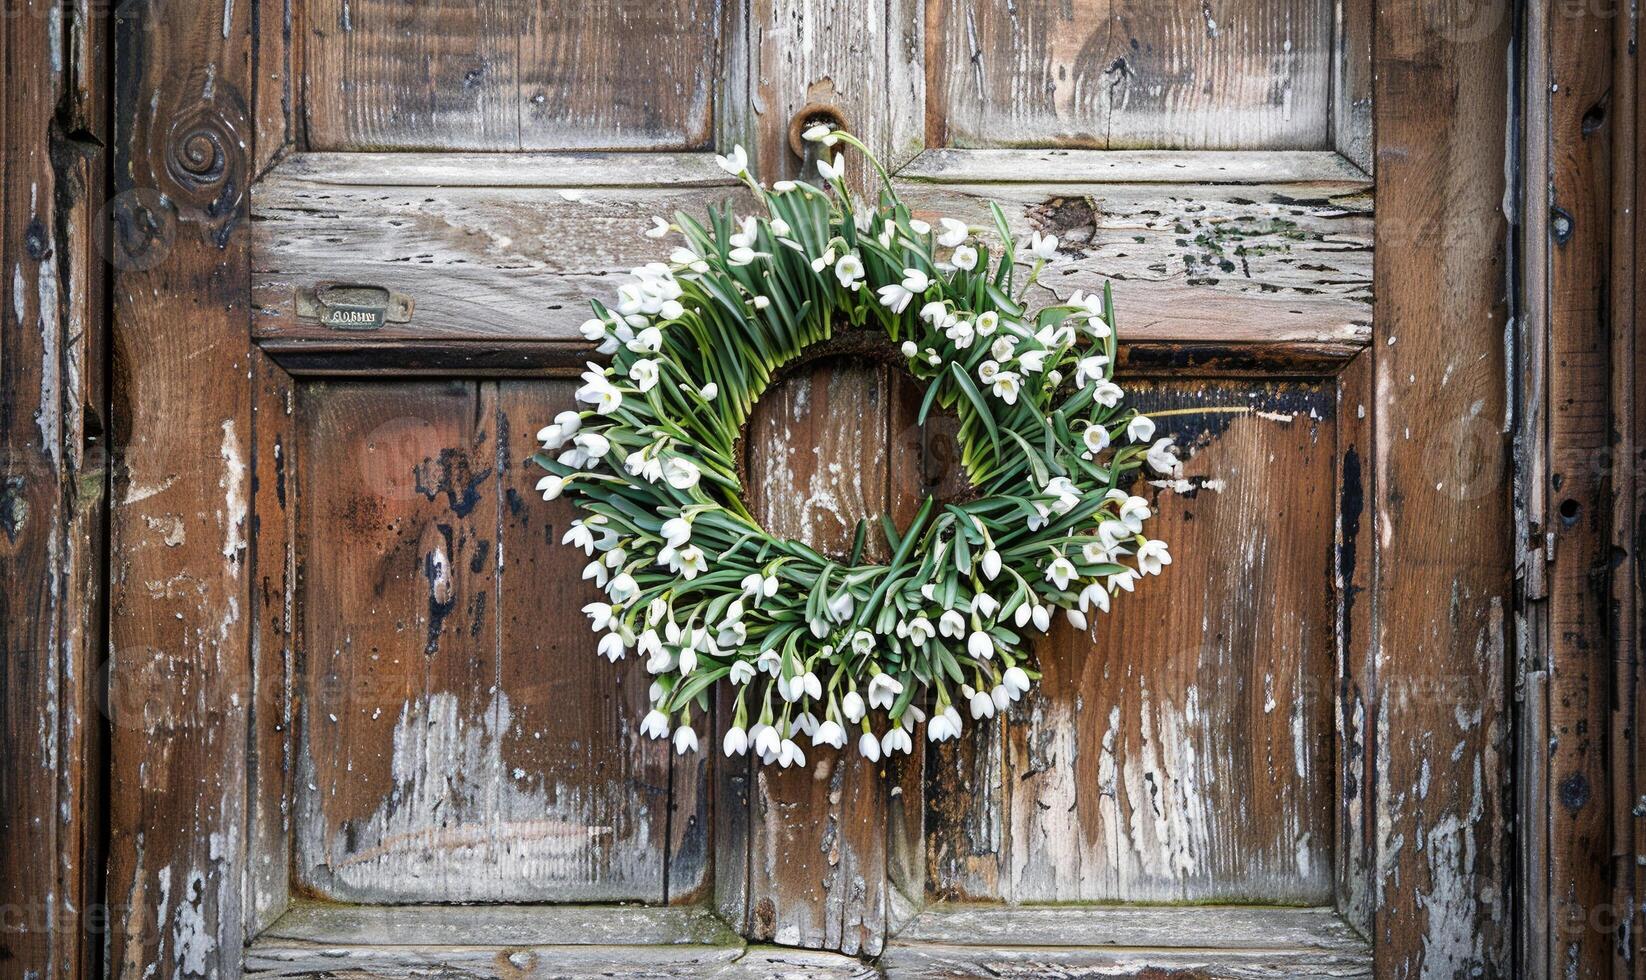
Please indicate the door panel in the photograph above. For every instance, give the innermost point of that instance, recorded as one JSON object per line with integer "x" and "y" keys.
{"x": 1116, "y": 74}
{"x": 511, "y": 75}
{"x": 458, "y": 738}
{"x": 1182, "y": 748}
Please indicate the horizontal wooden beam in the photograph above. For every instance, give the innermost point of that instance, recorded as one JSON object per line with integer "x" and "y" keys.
{"x": 1200, "y": 263}
{"x": 503, "y": 170}
{"x": 1055, "y": 166}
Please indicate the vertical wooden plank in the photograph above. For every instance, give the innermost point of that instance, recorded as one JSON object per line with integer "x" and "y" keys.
{"x": 861, "y": 59}
{"x": 1230, "y": 74}
{"x": 273, "y": 565}
{"x": 180, "y": 678}
{"x": 1354, "y": 549}
{"x": 572, "y": 736}
{"x": 50, "y": 495}
{"x": 275, "y": 85}
{"x": 1441, "y": 501}
{"x": 1580, "y": 434}
{"x": 1351, "y": 106}
{"x": 817, "y": 463}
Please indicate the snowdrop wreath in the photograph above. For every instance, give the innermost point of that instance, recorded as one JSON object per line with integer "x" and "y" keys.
{"x": 814, "y": 647}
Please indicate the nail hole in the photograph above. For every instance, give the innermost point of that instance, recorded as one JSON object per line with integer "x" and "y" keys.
{"x": 1569, "y": 510}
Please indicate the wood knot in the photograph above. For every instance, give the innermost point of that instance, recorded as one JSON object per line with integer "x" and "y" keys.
{"x": 201, "y": 164}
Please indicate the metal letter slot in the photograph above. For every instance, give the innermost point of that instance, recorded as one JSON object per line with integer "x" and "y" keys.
{"x": 352, "y": 306}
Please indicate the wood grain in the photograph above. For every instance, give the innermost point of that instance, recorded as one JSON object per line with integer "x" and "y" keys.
{"x": 1232, "y": 74}
{"x": 457, "y": 743}
{"x": 1440, "y": 500}
{"x": 52, "y": 487}
{"x": 499, "y": 75}
{"x": 1191, "y": 262}
{"x": 180, "y": 678}
{"x": 1147, "y": 767}
{"x": 822, "y": 454}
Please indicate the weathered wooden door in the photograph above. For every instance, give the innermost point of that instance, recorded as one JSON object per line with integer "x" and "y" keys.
{"x": 437, "y": 772}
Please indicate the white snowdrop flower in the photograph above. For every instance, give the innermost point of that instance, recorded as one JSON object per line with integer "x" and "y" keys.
{"x": 1113, "y": 533}
{"x": 1006, "y": 387}
{"x": 1041, "y": 616}
{"x": 829, "y": 733}
{"x": 960, "y": 332}
{"x": 784, "y": 186}
{"x": 736, "y": 164}
{"x": 1124, "y": 579}
{"x": 933, "y": 358}
{"x": 987, "y": 323}
{"x": 762, "y": 302}
{"x": 677, "y": 531}
{"x": 692, "y": 562}
{"x": 1094, "y": 595}
{"x": 709, "y": 391}
{"x": 841, "y": 607}
{"x": 742, "y": 672}
{"x": 1152, "y": 556}
{"x": 985, "y": 605}
{"x": 921, "y": 630}
{"x": 909, "y": 349}
{"x": 1140, "y": 428}
{"x": 789, "y": 754}
{"x": 551, "y": 486}
{"x": 832, "y": 170}
{"x": 954, "y": 232}
{"x": 780, "y": 228}
{"x": 1107, "y": 393}
{"x": 655, "y": 724}
{"x": 981, "y": 705}
{"x": 687, "y": 662}
{"x": 605, "y": 398}
{"x": 1001, "y": 696}
{"x": 820, "y": 133}
{"x": 565, "y": 426}
{"x": 934, "y": 312}
{"x": 1134, "y": 510}
{"x": 896, "y": 740}
{"x": 580, "y": 535}
{"x": 612, "y": 647}
{"x": 595, "y": 330}
{"x": 681, "y": 473}
{"x": 751, "y": 586}
{"x": 823, "y": 261}
{"x": 852, "y": 707}
{"x": 991, "y": 564}
{"x": 980, "y": 645}
{"x": 646, "y": 341}
{"x": 951, "y": 624}
{"x": 939, "y": 729}
{"x": 1161, "y": 458}
{"x": 868, "y": 747}
{"x": 1096, "y": 439}
{"x": 1033, "y": 361}
{"x": 862, "y": 642}
{"x": 766, "y": 742}
{"x": 622, "y": 587}
{"x": 644, "y": 374}
{"x": 1016, "y": 681}
{"x": 965, "y": 257}
{"x": 897, "y": 296}
{"x": 658, "y": 229}
{"x": 735, "y": 742}
{"x": 743, "y": 255}
{"x": 849, "y": 271}
{"x": 1076, "y": 618}
{"x": 1002, "y": 349}
{"x": 1088, "y": 369}
{"x": 919, "y": 227}
{"x": 883, "y": 690}
{"x": 811, "y": 685}
{"x": 600, "y": 615}
{"x": 1095, "y": 553}
{"x": 988, "y": 371}
{"x": 805, "y": 723}
{"x": 597, "y": 571}
{"x": 1042, "y": 246}
{"x": 687, "y": 258}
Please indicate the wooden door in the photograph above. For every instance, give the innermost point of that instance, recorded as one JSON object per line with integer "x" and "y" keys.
{"x": 439, "y": 773}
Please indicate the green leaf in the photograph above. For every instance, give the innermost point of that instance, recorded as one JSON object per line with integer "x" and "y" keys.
{"x": 972, "y": 395}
